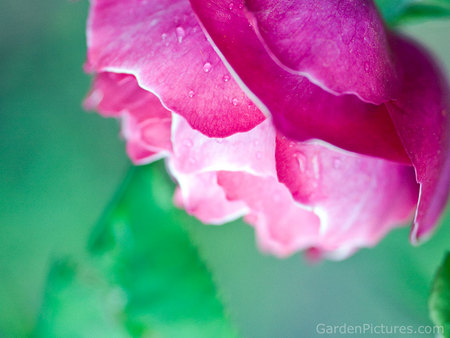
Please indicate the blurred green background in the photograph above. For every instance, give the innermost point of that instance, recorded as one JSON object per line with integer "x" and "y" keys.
{"x": 60, "y": 166}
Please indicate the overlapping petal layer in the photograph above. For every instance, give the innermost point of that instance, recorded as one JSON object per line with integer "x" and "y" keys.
{"x": 411, "y": 126}
{"x": 339, "y": 44}
{"x": 421, "y": 116}
{"x": 161, "y": 43}
{"x": 316, "y": 197}
{"x": 300, "y": 109}
{"x": 358, "y": 198}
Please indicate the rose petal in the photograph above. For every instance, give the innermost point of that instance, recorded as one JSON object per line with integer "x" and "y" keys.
{"x": 145, "y": 122}
{"x": 201, "y": 196}
{"x": 282, "y": 226}
{"x": 346, "y": 200}
{"x": 421, "y": 115}
{"x": 253, "y": 151}
{"x": 358, "y": 198}
{"x": 141, "y": 155}
{"x": 300, "y": 109}
{"x": 161, "y": 43}
{"x": 339, "y": 44}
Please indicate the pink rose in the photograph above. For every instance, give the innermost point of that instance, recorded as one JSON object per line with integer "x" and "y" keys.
{"x": 311, "y": 119}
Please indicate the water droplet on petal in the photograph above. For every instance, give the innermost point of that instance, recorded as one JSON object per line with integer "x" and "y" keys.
{"x": 231, "y": 6}
{"x": 191, "y": 93}
{"x": 366, "y": 66}
{"x": 163, "y": 36}
{"x": 180, "y": 33}
{"x": 207, "y": 67}
{"x": 226, "y": 78}
{"x": 234, "y": 101}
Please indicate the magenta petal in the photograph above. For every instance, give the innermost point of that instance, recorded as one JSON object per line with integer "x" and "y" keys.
{"x": 339, "y": 44}
{"x": 358, "y": 198}
{"x": 300, "y": 109}
{"x": 421, "y": 116}
{"x": 115, "y": 93}
{"x": 161, "y": 43}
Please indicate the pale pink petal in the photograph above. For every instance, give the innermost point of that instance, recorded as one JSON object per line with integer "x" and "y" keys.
{"x": 341, "y": 45}
{"x": 323, "y": 198}
{"x": 300, "y": 109}
{"x": 358, "y": 198}
{"x": 147, "y": 140}
{"x": 253, "y": 151}
{"x": 201, "y": 196}
{"x": 161, "y": 43}
{"x": 282, "y": 226}
{"x": 421, "y": 115}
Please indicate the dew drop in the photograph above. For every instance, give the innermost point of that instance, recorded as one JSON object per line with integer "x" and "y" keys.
{"x": 231, "y": 6}
{"x": 234, "y": 101}
{"x": 207, "y": 67}
{"x": 226, "y": 78}
{"x": 191, "y": 93}
{"x": 180, "y": 33}
{"x": 366, "y": 66}
{"x": 164, "y": 38}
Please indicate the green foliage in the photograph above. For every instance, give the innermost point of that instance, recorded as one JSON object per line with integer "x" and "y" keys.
{"x": 144, "y": 277}
{"x": 440, "y": 297}
{"x": 404, "y": 11}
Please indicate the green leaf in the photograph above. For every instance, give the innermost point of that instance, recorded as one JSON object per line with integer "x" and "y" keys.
{"x": 142, "y": 254}
{"x": 79, "y": 303}
{"x": 440, "y": 297}
{"x": 405, "y": 11}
